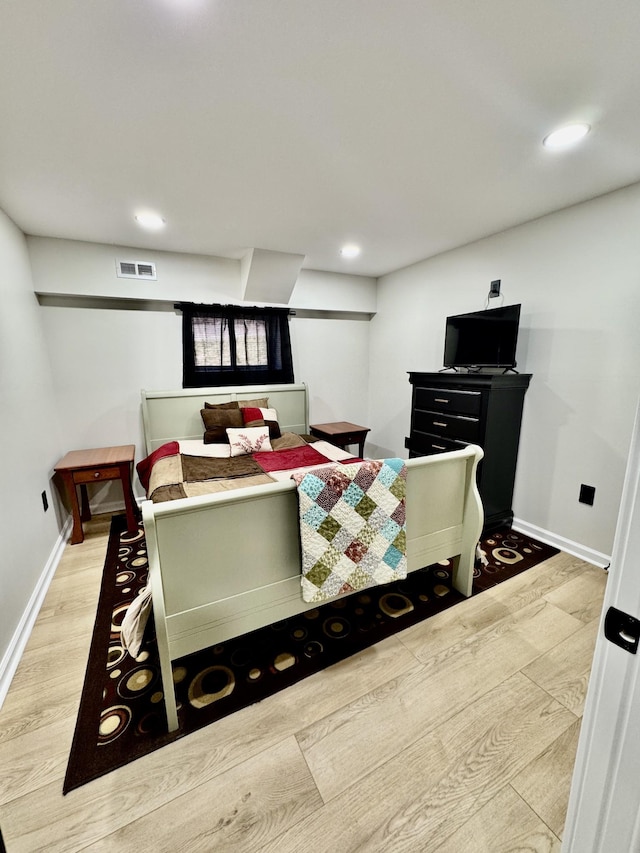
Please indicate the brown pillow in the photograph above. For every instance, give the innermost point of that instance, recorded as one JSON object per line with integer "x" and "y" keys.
{"x": 233, "y": 404}
{"x": 260, "y": 403}
{"x": 216, "y": 422}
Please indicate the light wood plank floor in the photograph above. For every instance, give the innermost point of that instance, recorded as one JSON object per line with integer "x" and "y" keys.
{"x": 457, "y": 736}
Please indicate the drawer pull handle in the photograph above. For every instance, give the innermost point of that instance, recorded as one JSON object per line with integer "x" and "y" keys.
{"x": 97, "y": 474}
{"x": 441, "y": 400}
{"x": 438, "y": 447}
{"x": 440, "y": 424}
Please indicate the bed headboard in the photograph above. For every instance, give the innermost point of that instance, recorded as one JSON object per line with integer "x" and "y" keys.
{"x": 169, "y": 415}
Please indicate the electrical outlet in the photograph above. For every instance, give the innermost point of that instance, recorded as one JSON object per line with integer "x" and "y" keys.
{"x": 587, "y": 494}
{"x": 45, "y": 502}
{"x": 494, "y": 290}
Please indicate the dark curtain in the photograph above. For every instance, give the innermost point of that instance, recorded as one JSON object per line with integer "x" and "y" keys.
{"x": 223, "y": 332}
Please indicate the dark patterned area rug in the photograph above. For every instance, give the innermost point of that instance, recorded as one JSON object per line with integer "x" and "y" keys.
{"x": 121, "y": 715}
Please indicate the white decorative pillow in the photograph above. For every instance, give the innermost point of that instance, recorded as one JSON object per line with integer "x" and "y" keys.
{"x": 269, "y": 414}
{"x": 249, "y": 440}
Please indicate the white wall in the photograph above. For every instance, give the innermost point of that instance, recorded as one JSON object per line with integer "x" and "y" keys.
{"x": 102, "y": 357}
{"x": 100, "y": 360}
{"x": 332, "y": 357}
{"x": 577, "y": 275}
{"x": 89, "y": 269}
{"x": 327, "y": 291}
{"x": 30, "y": 441}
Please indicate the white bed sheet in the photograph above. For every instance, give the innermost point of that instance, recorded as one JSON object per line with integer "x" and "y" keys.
{"x": 197, "y": 447}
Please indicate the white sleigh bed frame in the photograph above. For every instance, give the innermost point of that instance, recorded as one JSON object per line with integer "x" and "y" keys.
{"x": 224, "y": 564}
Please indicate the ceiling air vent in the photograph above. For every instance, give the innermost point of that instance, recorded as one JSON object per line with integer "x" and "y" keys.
{"x": 136, "y": 269}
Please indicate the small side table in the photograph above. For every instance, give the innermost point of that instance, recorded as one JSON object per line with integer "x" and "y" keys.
{"x": 80, "y": 467}
{"x": 341, "y": 433}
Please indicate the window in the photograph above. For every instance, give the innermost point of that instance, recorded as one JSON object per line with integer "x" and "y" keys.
{"x": 233, "y": 345}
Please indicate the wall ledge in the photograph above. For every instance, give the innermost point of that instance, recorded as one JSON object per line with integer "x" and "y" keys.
{"x": 119, "y": 303}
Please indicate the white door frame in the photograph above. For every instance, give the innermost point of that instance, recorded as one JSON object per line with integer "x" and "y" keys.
{"x": 604, "y": 804}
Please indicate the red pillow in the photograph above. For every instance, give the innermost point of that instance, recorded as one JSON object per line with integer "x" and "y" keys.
{"x": 254, "y": 417}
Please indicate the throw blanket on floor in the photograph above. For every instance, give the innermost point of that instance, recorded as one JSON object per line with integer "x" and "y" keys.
{"x": 352, "y": 527}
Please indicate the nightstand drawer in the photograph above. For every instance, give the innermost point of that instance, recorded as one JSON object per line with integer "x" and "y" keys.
{"x": 352, "y": 438}
{"x": 448, "y": 426}
{"x": 94, "y": 475}
{"x": 448, "y": 400}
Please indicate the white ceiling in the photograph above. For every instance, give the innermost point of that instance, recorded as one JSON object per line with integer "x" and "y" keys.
{"x": 406, "y": 126}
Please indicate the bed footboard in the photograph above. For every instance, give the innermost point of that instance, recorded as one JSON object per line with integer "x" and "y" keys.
{"x": 225, "y": 564}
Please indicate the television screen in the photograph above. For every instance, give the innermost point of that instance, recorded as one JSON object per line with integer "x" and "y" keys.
{"x": 482, "y": 338}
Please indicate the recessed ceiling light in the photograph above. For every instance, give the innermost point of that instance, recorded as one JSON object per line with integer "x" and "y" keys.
{"x": 350, "y": 251}
{"x": 566, "y": 136}
{"x": 150, "y": 221}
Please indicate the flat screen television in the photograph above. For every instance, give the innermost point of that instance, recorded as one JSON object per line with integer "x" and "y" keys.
{"x": 482, "y": 338}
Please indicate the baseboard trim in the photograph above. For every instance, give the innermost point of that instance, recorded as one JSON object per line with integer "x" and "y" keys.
{"x": 589, "y": 555}
{"x": 12, "y": 656}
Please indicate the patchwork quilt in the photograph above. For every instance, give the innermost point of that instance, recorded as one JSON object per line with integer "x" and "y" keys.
{"x": 352, "y": 526}
{"x": 168, "y": 474}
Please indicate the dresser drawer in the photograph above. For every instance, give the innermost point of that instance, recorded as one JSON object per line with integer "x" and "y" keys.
{"x": 448, "y": 426}
{"x": 420, "y": 444}
{"x": 448, "y": 400}
{"x": 94, "y": 475}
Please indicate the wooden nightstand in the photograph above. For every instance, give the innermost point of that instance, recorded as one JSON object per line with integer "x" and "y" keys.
{"x": 80, "y": 467}
{"x": 341, "y": 433}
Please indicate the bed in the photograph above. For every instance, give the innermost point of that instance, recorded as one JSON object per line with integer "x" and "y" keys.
{"x": 224, "y": 564}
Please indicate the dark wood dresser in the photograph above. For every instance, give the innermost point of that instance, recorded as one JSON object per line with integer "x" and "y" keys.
{"x": 451, "y": 410}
